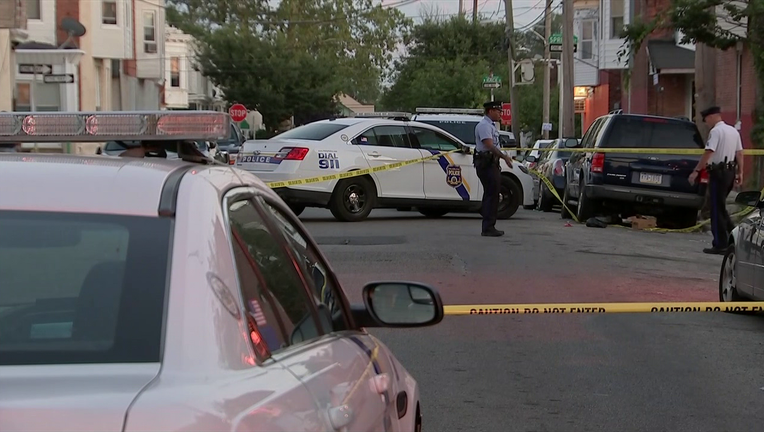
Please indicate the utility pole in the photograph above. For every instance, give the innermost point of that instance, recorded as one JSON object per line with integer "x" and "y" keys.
{"x": 511, "y": 60}
{"x": 568, "y": 123}
{"x": 474, "y": 11}
{"x": 461, "y": 7}
{"x": 547, "y": 63}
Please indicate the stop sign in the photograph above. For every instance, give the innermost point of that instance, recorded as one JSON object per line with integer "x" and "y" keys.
{"x": 238, "y": 112}
{"x": 506, "y": 113}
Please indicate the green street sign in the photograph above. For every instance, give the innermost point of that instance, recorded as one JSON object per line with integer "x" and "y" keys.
{"x": 492, "y": 79}
{"x": 244, "y": 124}
{"x": 556, "y": 39}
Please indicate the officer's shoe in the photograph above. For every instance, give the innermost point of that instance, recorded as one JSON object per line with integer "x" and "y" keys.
{"x": 492, "y": 233}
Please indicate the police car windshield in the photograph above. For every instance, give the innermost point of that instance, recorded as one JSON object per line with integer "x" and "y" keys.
{"x": 464, "y": 130}
{"x": 81, "y": 288}
{"x": 312, "y": 131}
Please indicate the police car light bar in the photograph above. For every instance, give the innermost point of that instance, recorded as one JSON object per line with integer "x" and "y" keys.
{"x": 384, "y": 114}
{"x": 101, "y": 126}
{"x": 449, "y": 111}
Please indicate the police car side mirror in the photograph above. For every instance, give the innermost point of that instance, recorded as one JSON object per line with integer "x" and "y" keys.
{"x": 571, "y": 143}
{"x": 399, "y": 304}
{"x": 529, "y": 158}
{"x": 466, "y": 150}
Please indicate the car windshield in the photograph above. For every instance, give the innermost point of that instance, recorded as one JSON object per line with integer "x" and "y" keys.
{"x": 81, "y": 288}
{"x": 312, "y": 131}
{"x": 464, "y": 130}
{"x": 651, "y": 132}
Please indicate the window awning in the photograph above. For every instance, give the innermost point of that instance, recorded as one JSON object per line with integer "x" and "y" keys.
{"x": 666, "y": 57}
{"x": 48, "y": 56}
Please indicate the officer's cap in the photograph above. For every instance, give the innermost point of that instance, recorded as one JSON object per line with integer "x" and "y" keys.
{"x": 492, "y": 105}
{"x": 710, "y": 111}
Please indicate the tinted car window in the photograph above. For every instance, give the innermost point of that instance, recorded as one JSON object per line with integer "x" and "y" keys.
{"x": 269, "y": 277}
{"x": 641, "y": 132}
{"x": 81, "y": 288}
{"x": 464, "y": 130}
{"x": 429, "y": 139}
{"x": 325, "y": 292}
{"x": 312, "y": 131}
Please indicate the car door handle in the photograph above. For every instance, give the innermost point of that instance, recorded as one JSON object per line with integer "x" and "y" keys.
{"x": 374, "y": 154}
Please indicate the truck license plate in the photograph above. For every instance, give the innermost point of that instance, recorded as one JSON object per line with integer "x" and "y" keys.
{"x": 650, "y": 178}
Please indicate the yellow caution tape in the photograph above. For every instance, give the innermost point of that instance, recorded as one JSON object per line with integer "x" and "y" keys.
{"x": 693, "y": 228}
{"x": 356, "y": 173}
{"x": 676, "y": 151}
{"x": 598, "y": 308}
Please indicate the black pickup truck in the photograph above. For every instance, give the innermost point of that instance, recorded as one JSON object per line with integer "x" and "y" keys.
{"x": 636, "y": 183}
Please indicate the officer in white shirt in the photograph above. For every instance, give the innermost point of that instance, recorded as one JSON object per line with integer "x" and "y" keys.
{"x": 486, "y": 161}
{"x": 723, "y": 159}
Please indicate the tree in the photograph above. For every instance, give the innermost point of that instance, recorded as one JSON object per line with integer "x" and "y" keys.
{"x": 710, "y": 22}
{"x": 446, "y": 61}
{"x": 295, "y": 59}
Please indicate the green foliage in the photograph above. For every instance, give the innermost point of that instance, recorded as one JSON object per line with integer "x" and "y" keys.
{"x": 295, "y": 59}
{"x": 447, "y": 59}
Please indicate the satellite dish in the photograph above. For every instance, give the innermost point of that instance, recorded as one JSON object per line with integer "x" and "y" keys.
{"x": 74, "y": 28}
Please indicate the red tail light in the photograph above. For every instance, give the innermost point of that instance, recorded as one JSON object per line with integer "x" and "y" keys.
{"x": 294, "y": 153}
{"x": 558, "y": 168}
{"x": 704, "y": 175}
{"x": 598, "y": 162}
{"x": 532, "y": 165}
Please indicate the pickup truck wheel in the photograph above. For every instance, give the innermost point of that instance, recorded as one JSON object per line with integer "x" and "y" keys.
{"x": 510, "y": 196}
{"x": 585, "y": 208}
{"x": 353, "y": 199}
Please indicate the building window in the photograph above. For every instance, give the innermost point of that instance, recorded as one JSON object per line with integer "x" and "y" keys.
{"x": 34, "y": 10}
{"x": 616, "y": 18}
{"x": 588, "y": 36}
{"x": 47, "y": 97}
{"x": 149, "y": 33}
{"x": 109, "y": 12}
{"x": 175, "y": 72}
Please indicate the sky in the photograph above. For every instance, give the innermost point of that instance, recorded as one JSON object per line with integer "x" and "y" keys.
{"x": 525, "y": 11}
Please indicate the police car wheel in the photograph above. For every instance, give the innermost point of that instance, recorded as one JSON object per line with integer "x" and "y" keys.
{"x": 297, "y": 209}
{"x": 353, "y": 199}
{"x": 510, "y": 196}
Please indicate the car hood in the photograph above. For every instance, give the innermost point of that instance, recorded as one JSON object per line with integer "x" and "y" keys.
{"x": 70, "y": 397}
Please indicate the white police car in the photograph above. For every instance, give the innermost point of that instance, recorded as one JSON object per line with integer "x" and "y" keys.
{"x": 372, "y": 140}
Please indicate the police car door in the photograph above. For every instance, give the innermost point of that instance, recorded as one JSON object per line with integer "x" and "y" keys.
{"x": 387, "y": 144}
{"x": 450, "y": 177}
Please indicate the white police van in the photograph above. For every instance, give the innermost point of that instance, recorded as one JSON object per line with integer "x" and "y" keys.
{"x": 371, "y": 140}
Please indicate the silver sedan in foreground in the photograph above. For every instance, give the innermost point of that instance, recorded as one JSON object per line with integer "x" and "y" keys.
{"x": 145, "y": 294}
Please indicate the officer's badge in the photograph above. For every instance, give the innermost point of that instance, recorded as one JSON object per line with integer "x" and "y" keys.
{"x": 454, "y": 175}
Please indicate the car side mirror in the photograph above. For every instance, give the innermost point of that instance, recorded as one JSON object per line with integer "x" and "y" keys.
{"x": 530, "y": 158}
{"x": 466, "y": 150}
{"x": 399, "y": 304}
{"x": 571, "y": 143}
{"x": 750, "y": 199}
{"x": 213, "y": 145}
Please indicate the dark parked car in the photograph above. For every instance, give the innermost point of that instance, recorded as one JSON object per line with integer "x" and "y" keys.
{"x": 631, "y": 183}
{"x": 551, "y": 164}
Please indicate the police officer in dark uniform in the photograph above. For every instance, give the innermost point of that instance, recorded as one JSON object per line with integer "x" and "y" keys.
{"x": 486, "y": 161}
{"x": 723, "y": 159}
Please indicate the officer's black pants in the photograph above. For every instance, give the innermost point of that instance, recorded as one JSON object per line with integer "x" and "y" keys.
{"x": 720, "y": 183}
{"x": 490, "y": 178}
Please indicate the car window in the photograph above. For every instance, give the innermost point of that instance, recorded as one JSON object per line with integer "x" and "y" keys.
{"x": 430, "y": 139}
{"x": 81, "y": 288}
{"x": 391, "y": 136}
{"x": 366, "y": 138}
{"x": 271, "y": 284}
{"x": 650, "y": 132}
{"x": 464, "y": 130}
{"x": 326, "y": 293}
{"x": 588, "y": 140}
{"x": 312, "y": 131}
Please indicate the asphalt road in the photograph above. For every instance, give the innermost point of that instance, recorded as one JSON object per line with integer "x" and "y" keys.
{"x": 610, "y": 372}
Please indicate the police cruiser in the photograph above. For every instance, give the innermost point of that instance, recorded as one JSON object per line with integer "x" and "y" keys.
{"x": 141, "y": 293}
{"x": 373, "y": 140}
